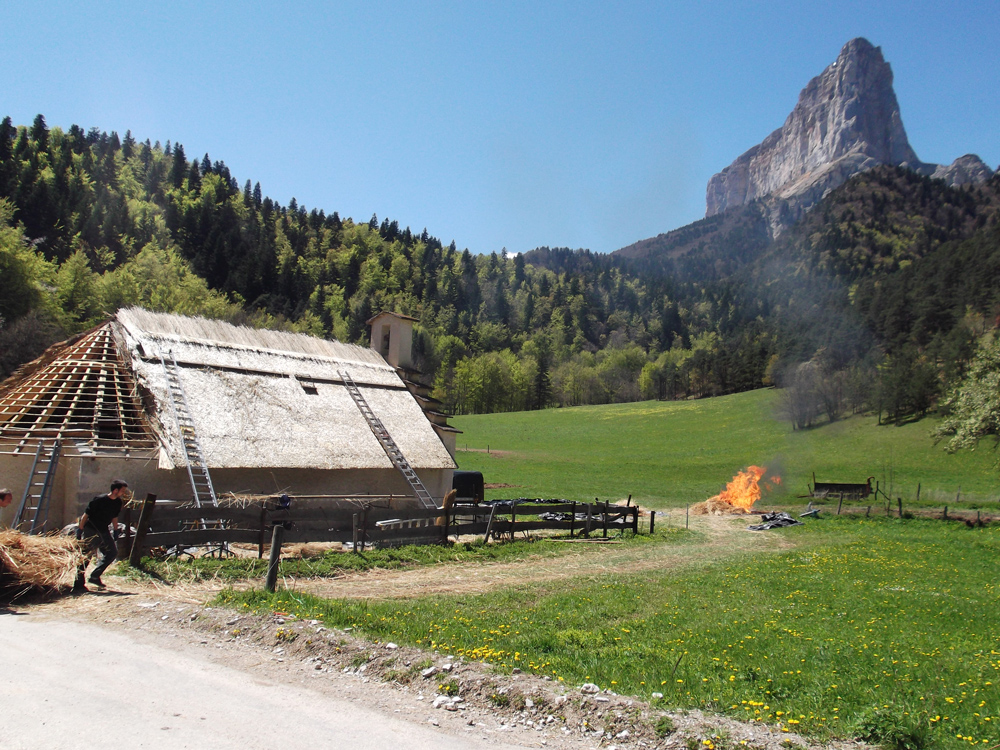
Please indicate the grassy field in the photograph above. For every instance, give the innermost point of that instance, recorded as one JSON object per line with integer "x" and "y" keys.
{"x": 674, "y": 453}
{"x": 878, "y": 628}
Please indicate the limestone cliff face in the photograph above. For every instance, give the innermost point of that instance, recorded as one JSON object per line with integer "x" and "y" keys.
{"x": 965, "y": 170}
{"x": 846, "y": 120}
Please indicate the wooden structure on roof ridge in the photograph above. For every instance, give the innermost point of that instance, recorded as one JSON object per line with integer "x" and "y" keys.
{"x": 85, "y": 394}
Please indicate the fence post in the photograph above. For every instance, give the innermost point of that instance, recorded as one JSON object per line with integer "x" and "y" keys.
{"x": 918, "y": 492}
{"x": 840, "y": 502}
{"x": 590, "y": 514}
{"x": 135, "y": 554}
{"x": 652, "y": 521}
{"x": 355, "y": 535}
{"x": 260, "y": 535}
{"x": 513, "y": 517}
{"x": 572, "y": 521}
{"x": 605, "y": 517}
{"x": 944, "y": 516}
{"x": 900, "y": 501}
{"x": 277, "y": 536}
{"x": 687, "y": 516}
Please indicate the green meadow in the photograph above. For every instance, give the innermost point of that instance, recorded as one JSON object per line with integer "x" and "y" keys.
{"x": 671, "y": 453}
{"x": 882, "y": 629}
{"x": 876, "y": 628}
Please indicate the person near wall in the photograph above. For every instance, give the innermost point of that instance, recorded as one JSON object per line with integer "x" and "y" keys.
{"x": 96, "y": 530}
{"x": 6, "y": 497}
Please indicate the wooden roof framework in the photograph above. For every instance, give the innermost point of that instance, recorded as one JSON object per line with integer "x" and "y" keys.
{"x": 86, "y": 394}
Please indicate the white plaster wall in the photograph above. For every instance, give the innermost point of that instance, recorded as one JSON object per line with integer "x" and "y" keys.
{"x": 80, "y": 478}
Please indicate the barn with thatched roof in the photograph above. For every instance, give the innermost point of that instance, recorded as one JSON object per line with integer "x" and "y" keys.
{"x": 271, "y": 412}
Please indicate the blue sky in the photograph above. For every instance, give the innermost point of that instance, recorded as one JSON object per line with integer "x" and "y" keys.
{"x": 515, "y": 124}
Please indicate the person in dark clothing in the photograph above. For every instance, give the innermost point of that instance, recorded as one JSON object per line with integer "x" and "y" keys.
{"x": 96, "y": 530}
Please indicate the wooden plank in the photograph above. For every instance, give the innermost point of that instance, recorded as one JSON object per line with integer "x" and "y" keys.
{"x": 167, "y": 516}
{"x": 196, "y": 537}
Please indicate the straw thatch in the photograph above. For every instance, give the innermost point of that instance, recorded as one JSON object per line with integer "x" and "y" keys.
{"x": 268, "y": 399}
{"x": 715, "y": 507}
{"x": 36, "y": 563}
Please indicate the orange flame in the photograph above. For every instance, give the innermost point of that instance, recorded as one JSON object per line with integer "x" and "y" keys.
{"x": 744, "y": 489}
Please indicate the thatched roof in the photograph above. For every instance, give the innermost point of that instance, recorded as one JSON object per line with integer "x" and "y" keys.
{"x": 269, "y": 399}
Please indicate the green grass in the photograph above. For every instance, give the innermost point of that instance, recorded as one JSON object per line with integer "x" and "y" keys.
{"x": 670, "y": 453}
{"x": 878, "y": 627}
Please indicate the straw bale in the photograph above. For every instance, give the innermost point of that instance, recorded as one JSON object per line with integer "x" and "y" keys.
{"x": 715, "y": 507}
{"x": 39, "y": 563}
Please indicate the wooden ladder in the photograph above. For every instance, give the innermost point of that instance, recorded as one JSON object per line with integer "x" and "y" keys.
{"x": 197, "y": 469}
{"x": 388, "y": 444}
{"x": 38, "y": 492}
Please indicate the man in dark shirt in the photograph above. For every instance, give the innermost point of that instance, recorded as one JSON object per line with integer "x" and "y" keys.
{"x": 96, "y": 525}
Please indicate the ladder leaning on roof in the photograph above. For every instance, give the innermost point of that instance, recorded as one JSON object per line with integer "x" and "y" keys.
{"x": 388, "y": 444}
{"x": 201, "y": 481}
{"x": 38, "y": 492}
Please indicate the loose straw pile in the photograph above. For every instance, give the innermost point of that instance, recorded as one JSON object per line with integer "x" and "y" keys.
{"x": 39, "y": 563}
{"x": 715, "y": 507}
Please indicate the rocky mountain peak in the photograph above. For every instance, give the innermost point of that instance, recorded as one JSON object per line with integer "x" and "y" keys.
{"x": 846, "y": 120}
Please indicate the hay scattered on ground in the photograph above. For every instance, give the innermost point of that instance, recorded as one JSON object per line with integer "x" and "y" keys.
{"x": 36, "y": 563}
{"x": 715, "y": 507}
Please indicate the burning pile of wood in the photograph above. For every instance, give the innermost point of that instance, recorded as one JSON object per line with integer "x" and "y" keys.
{"x": 36, "y": 563}
{"x": 742, "y": 491}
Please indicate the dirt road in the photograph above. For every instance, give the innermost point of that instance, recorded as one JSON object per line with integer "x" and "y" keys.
{"x": 70, "y": 684}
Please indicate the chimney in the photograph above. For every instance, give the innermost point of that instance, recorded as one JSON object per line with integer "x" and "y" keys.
{"x": 392, "y": 337}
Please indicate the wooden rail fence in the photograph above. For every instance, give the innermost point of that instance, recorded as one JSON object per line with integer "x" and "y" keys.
{"x": 169, "y": 524}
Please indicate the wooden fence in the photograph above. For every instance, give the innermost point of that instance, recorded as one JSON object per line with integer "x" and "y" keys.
{"x": 169, "y": 524}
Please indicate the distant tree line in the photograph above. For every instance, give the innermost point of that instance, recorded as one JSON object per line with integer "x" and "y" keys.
{"x": 876, "y": 300}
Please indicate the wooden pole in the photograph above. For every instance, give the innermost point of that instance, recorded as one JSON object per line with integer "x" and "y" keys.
{"x": 944, "y": 515}
{"x": 605, "y": 516}
{"x": 513, "y": 518}
{"x": 135, "y": 554}
{"x": 572, "y": 521}
{"x": 840, "y": 503}
{"x": 277, "y": 536}
{"x": 918, "y": 492}
{"x": 652, "y": 521}
{"x": 260, "y": 535}
{"x": 590, "y": 513}
{"x": 687, "y": 516}
{"x": 355, "y": 532}
{"x": 127, "y": 520}
{"x": 900, "y": 501}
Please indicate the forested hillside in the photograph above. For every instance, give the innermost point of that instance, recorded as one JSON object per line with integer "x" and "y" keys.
{"x": 90, "y": 221}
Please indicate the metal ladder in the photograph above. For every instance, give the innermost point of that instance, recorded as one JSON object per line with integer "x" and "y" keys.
{"x": 388, "y": 444}
{"x": 197, "y": 469}
{"x": 38, "y": 492}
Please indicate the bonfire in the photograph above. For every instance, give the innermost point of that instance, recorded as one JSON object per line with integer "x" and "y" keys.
{"x": 36, "y": 563}
{"x": 742, "y": 491}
